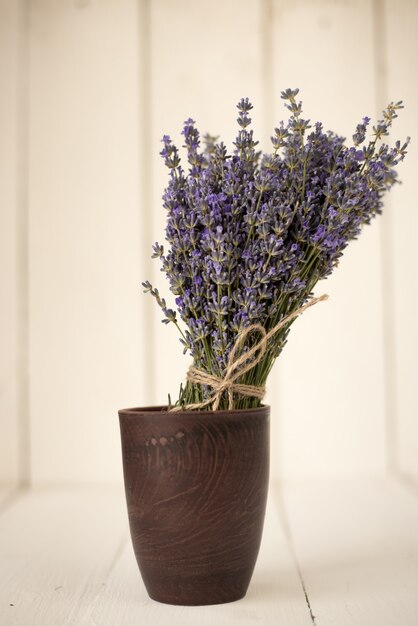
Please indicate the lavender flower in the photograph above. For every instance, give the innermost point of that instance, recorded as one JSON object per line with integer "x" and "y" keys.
{"x": 250, "y": 234}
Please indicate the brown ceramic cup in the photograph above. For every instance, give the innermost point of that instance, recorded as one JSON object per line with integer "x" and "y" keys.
{"x": 196, "y": 488}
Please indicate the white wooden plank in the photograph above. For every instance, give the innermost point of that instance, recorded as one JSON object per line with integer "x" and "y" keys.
{"x": 330, "y": 375}
{"x": 205, "y": 57}
{"x": 9, "y": 236}
{"x": 357, "y": 547}
{"x": 65, "y": 558}
{"x": 76, "y": 566}
{"x": 56, "y": 549}
{"x": 85, "y": 230}
{"x": 275, "y": 595}
{"x": 401, "y": 23}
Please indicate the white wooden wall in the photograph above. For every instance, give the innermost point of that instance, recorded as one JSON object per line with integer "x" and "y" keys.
{"x": 87, "y": 89}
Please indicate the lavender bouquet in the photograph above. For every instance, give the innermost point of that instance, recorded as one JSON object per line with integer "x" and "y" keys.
{"x": 250, "y": 234}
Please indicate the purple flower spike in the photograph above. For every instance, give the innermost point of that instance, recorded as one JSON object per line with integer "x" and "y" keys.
{"x": 248, "y": 235}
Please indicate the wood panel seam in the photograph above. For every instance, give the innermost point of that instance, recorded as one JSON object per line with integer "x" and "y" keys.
{"x": 386, "y": 260}
{"x": 118, "y": 553}
{"x": 267, "y": 67}
{"x": 22, "y": 233}
{"x": 267, "y": 92}
{"x": 145, "y": 197}
{"x": 284, "y": 520}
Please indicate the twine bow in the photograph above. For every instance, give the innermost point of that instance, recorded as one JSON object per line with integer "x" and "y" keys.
{"x": 238, "y": 366}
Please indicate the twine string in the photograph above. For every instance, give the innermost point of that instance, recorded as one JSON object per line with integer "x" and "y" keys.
{"x": 237, "y": 366}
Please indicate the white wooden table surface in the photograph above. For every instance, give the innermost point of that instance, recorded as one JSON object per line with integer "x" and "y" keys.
{"x": 333, "y": 554}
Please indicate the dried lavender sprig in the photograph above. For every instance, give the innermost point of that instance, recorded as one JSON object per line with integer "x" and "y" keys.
{"x": 249, "y": 235}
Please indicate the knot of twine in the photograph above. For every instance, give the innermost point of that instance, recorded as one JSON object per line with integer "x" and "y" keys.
{"x": 238, "y": 366}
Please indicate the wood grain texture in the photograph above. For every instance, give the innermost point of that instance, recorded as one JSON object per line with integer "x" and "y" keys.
{"x": 57, "y": 549}
{"x": 357, "y": 548}
{"x": 196, "y": 487}
{"x": 86, "y": 323}
{"x": 330, "y": 375}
